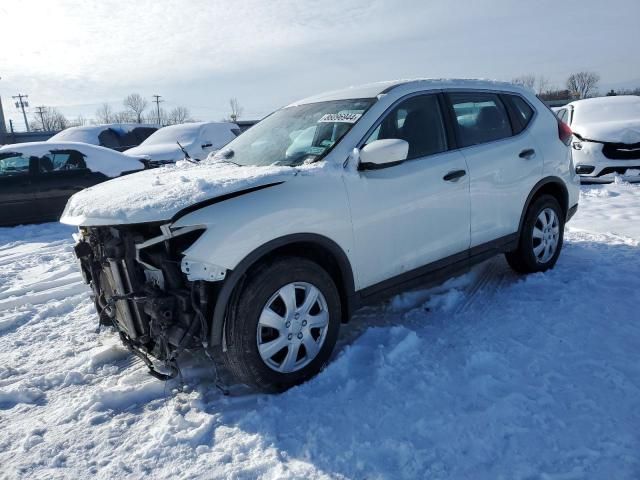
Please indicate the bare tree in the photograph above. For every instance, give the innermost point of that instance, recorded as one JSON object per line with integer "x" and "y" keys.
{"x": 49, "y": 119}
{"x": 236, "y": 109}
{"x": 527, "y": 81}
{"x": 152, "y": 117}
{"x": 136, "y": 104}
{"x": 627, "y": 91}
{"x": 583, "y": 84}
{"x": 178, "y": 115}
{"x": 79, "y": 121}
{"x": 125, "y": 117}
{"x": 543, "y": 85}
{"x": 104, "y": 114}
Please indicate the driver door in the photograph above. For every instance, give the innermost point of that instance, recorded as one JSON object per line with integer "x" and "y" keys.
{"x": 408, "y": 215}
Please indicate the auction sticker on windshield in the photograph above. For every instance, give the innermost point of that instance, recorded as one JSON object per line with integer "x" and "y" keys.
{"x": 345, "y": 117}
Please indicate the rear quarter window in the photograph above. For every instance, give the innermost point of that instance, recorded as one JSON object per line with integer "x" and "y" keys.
{"x": 521, "y": 110}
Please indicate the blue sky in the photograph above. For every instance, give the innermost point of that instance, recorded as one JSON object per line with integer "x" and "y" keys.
{"x": 198, "y": 53}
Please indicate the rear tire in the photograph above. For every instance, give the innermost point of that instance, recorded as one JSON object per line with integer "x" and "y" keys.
{"x": 541, "y": 237}
{"x": 282, "y": 325}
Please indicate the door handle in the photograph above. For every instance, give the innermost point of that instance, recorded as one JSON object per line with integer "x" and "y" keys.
{"x": 528, "y": 153}
{"x": 454, "y": 175}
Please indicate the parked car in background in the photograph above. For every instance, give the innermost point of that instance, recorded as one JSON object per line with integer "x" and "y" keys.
{"x": 37, "y": 178}
{"x": 198, "y": 139}
{"x": 116, "y": 136}
{"x": 261, "y": 251}
{"x": 606, "y": 137}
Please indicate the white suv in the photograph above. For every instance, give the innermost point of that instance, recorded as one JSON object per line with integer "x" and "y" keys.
{"x": 260, "y": 252}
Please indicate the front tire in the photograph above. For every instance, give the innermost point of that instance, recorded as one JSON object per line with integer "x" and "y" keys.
{"x": 282, "y": 325}
{"x": 541, "y": 237}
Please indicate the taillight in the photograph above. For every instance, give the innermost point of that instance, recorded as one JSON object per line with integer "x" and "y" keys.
{"x": 564, "y": 132}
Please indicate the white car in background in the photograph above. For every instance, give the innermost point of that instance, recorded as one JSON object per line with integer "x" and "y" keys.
{"x": 116, "y": 136}
{"x": 198, "y": 139}
{"x": 606, "y": 137}
{"x": 261, "y": 251}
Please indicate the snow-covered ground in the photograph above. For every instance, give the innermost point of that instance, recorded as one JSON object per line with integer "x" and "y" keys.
{"x": 489, "y": 376}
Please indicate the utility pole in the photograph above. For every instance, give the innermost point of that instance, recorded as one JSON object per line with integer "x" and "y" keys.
{"x": 157, "y": 100}
{"x": 40, "y": 111}
{"x": 21, "y": 104}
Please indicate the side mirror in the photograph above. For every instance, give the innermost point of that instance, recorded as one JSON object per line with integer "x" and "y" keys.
{"x": 384, "y": 152}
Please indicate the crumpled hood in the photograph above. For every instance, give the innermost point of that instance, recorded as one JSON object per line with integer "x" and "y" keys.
{"x": 159, "y": 152}
{"x": 625, "y": 131}
{"x": 158, "y": 194}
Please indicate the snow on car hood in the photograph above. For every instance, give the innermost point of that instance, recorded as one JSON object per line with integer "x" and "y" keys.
{"x": 158, "y": 194}
{"x": 623, "y": 131}
{"x": 159, "y": 152}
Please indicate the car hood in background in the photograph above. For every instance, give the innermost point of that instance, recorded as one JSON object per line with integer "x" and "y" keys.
{"x": 626, "y": 131}
{"x": 159, "y": 194}
{"x": 159, "y": 152}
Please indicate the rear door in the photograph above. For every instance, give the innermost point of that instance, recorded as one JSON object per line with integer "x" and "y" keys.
{"x": 60, "y": 174}
{"x": 504, "y": 163}
{"x": 17, "y": 189}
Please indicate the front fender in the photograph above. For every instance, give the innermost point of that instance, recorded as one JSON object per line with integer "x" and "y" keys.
{"x": 235, "y": 227}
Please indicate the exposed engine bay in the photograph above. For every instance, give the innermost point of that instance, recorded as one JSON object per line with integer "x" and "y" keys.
{"x": 140, "y": 286}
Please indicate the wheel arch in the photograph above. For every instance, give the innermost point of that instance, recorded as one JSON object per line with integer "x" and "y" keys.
{"x": 549, "y": 185}
{"x": 324, "y": 251}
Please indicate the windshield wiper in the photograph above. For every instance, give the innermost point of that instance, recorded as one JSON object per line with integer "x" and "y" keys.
{"x": 187, "y": 157}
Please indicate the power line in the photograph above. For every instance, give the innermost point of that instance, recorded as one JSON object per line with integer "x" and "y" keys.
{"x": 21, "y": 104}
{"x": 157, "y": 100}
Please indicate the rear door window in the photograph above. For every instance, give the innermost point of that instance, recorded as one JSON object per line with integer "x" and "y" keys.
{"x": 479, "y": 118}
{"x": 62, "y": 161}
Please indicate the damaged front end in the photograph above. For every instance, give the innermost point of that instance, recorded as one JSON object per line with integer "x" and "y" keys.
{"x": 144, "y": 286}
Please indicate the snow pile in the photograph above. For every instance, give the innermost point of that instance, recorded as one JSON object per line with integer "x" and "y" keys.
{"x": 613, "y": 209}
{"x": 490, "y": 375}
{"x": 158, "y": 194}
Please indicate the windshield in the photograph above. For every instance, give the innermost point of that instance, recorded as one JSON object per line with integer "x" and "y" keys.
{"x": 186, "y": 134}
{"x": 296, "y": 135}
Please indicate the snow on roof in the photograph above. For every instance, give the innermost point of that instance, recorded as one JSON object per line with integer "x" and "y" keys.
{"x": 186, "y": 133}
{"x": 371, "y": 90}
{"x": 90, "y": 134}
{"x": 98, "y": 159}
